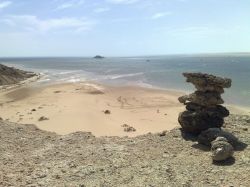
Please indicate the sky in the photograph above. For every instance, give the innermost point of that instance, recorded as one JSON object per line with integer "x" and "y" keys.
{"x": 123, "y": 27}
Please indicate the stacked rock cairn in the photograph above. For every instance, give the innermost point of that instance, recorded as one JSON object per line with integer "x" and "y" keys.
{"x": 204, "y": 112}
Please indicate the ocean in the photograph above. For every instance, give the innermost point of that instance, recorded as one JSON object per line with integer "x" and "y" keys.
{"x": 163, "y": 72}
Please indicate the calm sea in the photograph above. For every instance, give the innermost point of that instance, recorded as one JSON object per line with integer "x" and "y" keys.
{"x": 156, "y": 71}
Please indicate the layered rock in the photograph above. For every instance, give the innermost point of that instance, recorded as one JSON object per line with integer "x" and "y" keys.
{"x": 203, "y": 107}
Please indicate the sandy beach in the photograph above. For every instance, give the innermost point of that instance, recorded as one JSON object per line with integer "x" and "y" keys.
{"x": 71, "y": 107}
{"x": 81, "y": 107}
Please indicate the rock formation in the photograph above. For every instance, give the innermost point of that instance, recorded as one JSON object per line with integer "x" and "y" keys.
{"x": 203, "y": 107}
{"x": 9, "y": 75}
{"x": 206, "y": 137}
{"x": 221, "y": 149}
{"x": 98, "y": 57}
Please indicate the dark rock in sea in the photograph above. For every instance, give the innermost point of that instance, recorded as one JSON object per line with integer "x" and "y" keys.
{"x": 221, "y": 149}
{"x": 98, "y": 57}
{"x": 209, "y": 135}
{"x": 203, "y": 109}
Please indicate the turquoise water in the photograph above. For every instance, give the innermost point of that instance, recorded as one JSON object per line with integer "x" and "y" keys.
{"x": 155, "y": 71}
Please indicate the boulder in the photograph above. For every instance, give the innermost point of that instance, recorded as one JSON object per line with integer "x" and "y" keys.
{"x": 196, "y": 122}
{"x": 221, "y": 149}
{"x": 209, "y": 135}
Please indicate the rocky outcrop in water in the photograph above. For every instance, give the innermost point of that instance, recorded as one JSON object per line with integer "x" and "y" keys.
{"x": 10, "y": 75}
{"x": 203, "y": 107}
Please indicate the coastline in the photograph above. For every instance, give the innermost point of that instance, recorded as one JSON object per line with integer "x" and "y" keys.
{"x": 81, "y": 106}
{"x": 26, "y": 82}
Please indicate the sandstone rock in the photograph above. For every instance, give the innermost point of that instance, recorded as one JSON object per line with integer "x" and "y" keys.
{"x": 209, "y": 135}
{"x": 221, "y": 149}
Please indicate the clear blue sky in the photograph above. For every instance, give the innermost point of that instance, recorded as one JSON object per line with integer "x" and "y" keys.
{"x": 123, "y": 27}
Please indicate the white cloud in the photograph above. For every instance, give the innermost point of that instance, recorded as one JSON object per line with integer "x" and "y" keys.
{"x": 34, "y": 24}
{"x": 100, "y": 10}
{"x": 69, "y": 4}
{"x": 4, "y": 4}
{"x": 160, "y": 15}
{"x": 122, "y": 1}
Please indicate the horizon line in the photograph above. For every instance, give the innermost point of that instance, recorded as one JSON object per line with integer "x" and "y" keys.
{"x": 129, "y": 56}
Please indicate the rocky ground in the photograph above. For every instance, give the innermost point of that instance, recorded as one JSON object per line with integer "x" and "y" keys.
{"x": 31, "y": 157}
{"x": 9, "y": 75}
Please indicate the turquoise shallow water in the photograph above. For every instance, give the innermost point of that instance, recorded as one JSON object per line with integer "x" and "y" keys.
{"x": 155, "y": 71}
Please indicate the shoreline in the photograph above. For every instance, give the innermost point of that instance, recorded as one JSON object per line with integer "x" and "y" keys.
{"x": 26, "y": 82}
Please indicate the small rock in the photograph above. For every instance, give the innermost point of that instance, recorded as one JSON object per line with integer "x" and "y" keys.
{"x": 221, "y": 149}
{"x": 163, "y": 133}
{"x": 107, "y": 112}
{"x": 33, "y": 110}
{"x": 1, "y": 119}
{"x": 43, "y": 118}
{"x": 129, "y": 129}
{"x": 125, "y": 125}
{"x": 245, "y": 129}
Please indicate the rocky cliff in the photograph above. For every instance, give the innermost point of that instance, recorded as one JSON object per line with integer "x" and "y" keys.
{"x": 9, "y": 75}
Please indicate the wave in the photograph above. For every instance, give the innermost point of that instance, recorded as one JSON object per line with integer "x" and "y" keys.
{"x": 119, "y": 76}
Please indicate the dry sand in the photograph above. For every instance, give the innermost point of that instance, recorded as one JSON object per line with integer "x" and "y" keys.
{"x": 80, "y": 107}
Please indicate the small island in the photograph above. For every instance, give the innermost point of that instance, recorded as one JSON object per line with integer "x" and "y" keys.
{"x": 98, "y": 57}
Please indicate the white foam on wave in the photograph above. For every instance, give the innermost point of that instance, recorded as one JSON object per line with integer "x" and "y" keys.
{"x": 119, "y": 76}
{"x": 93, "y": 86}
{"x": 44, "y": 80}
{"x": 144, "y": 84}
{"x": 73, "y": 80}
{"x": 69, "y": 72}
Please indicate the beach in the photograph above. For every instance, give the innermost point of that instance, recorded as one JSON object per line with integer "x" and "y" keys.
{"x": 81, "y": 107}
{"x": 91, "y": 107}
